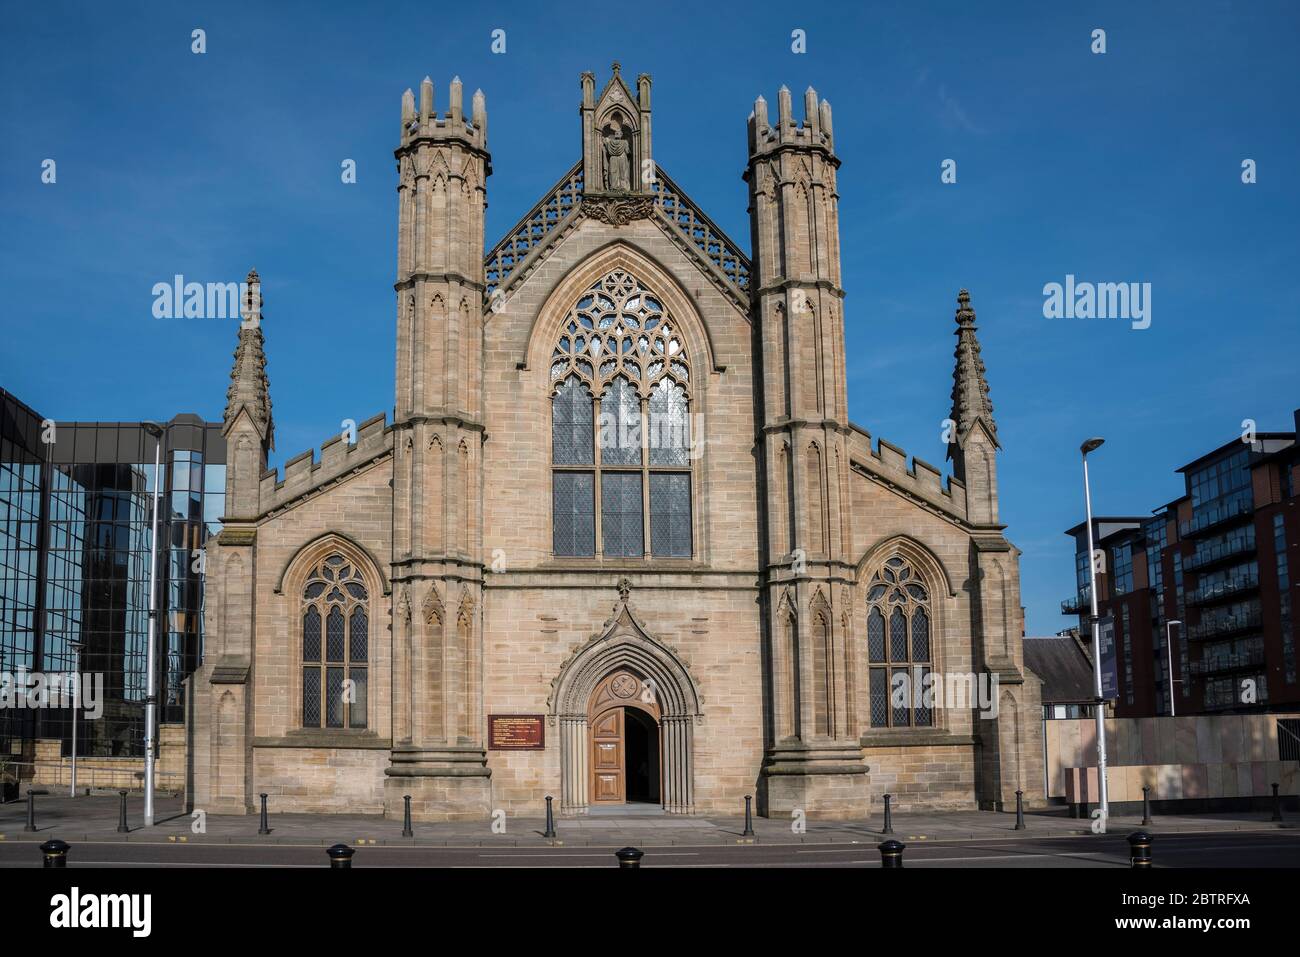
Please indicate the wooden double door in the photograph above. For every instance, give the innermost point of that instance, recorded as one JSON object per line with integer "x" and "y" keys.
{"x": 625, "y": 745}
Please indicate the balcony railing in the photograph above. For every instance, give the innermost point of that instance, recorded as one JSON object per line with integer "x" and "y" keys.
{"x": 1207, "y": 516}
{"x": 1222, "y": 664}
{"x": 1224, "y": 589}
{"x": 1222, "y": 625}
{"x": 1080, "y": 603}
{"x": 1237, "y": 545}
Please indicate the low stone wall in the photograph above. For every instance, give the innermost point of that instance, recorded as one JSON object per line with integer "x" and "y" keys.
{"x": 51, "y": 768}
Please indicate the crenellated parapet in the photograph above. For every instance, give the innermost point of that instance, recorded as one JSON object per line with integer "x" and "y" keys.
{"x": 889, "y": 465}
{"x": 305, "y": 474}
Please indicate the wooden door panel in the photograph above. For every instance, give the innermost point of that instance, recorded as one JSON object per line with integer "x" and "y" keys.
{"x": 608, "y": 725}
{"x": 608, "y": 788}
{"x": 607, "y": 758}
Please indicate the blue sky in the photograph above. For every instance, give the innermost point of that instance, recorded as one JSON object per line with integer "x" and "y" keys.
{"x": 1117, "y": 167}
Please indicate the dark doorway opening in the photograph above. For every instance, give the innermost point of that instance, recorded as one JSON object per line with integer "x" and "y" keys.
{"x": 642, "y": 739}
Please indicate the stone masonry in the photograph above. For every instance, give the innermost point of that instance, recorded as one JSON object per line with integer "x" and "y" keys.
{"x": 368, "y": 612}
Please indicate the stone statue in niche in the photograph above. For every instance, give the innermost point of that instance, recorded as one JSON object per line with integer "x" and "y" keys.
{"x": 618, "y": 158}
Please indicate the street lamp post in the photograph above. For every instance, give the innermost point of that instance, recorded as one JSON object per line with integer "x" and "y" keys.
{"x": 1090, "y": 446}
{"x": 1169, "y": 660}
{"x": 76, "y": 708}
{"x": 150, "y": 703}
{"x": 4, "y": 716}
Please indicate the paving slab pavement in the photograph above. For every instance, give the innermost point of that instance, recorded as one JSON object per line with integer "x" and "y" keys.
{"x": 94, "y": 817}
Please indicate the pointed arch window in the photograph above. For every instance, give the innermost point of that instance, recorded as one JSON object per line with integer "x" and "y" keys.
{"x": 620, "y": 427}
{"x": 335, "y": 646}
{"x": 899, "y": 647}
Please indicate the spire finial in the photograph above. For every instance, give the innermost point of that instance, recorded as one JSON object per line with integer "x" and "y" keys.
{"x": 250, "y": 389}
{"x": 970, "y": 388}
{"x": 616, "y": 67}
{"x": 965, "y": 314}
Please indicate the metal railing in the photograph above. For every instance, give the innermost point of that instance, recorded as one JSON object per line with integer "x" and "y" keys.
{"x": 1236, "y": 545}
{"x": 1288, "y": 739}
{"x": 1081, "y": 600}
{"x": 1207, "y": 516}
{"x": 1225, "y": 588}
{"x": 1225, "y": 624}
{"x": 1217, "y": 664}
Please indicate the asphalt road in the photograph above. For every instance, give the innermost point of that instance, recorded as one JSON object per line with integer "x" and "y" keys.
{"x": 1228, "y": 849}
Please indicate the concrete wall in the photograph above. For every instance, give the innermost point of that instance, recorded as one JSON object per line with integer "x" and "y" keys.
{"x": 1199, "y": 756}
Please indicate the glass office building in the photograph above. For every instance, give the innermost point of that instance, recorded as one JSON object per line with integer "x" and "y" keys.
{"x": 21, "y": 473}
{"x": 76, "y": 501}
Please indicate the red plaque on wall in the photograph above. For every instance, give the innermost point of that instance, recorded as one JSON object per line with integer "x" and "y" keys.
{"x": 516, "y": 732}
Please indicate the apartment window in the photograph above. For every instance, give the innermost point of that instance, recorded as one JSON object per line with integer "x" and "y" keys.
{"x": 1284, "y": 598}
{"x": 1180, "y": 612}
{"x": 1222, "y": 478}
{"x": 1122, "y": 569}
{"x": 1081, "y": 575}
{"x": 1128, "y": 655}
{"x": 1156, "y": 533}
{"x": 1279, "y": 549}
{"x": 1226, "y": 581}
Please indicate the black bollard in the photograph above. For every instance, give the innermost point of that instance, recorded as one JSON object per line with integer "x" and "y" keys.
{"x": 749, "y": 820}
{"x": 55, "y": 853}
{"x": 629, "y": 857}
{"x": 263, "y": 827}
{"x": 1146, "y": 805}
{"x": 889, "y": 819}
{"x": 1277, "y": 805}
{"x": 340, "y": 856}
{"x": 550, "y": 819}
{"x": 1020, "y": 810}
{"x": 121, "y": 815}
{"x": 1139, "y": 843}
{"x": 31, "y": 810}
{"x": 407, "y": 831}
{"x": 891, "y": 853}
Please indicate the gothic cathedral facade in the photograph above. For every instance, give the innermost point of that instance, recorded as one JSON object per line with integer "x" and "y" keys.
{"x": 620, "y": 542}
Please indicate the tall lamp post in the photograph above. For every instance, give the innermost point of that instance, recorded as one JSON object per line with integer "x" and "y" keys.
{"x": 151, "y": 663}
{"x": 1091, "y": 446}
{"x": 4, "y": 716}
{"x": 1169, "y": 660}
{"x": 76, "y": 708}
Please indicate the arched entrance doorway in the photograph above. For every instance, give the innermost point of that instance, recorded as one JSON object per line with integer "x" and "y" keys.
{"x": 630, "y": 693}
{"x": 625, "y": 751}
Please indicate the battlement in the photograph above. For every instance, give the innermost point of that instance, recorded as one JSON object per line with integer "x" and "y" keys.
{"x": 814, "y": 131}
{"x": 922, "y": 479}
{"x": 304, "y": 473}
{"x": 427, "y": 124}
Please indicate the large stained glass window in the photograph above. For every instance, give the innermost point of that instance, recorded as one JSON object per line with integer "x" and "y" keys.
{"x": 620, "y": 427}
{"x": 899, "y": 647}
{"x": 335, "y": 646}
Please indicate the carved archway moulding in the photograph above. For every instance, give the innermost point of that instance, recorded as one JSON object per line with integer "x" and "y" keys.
{"x": 623, "y": 644}
{"x": 914, "y": 552}
{"x": 317, "y": 548}
{"x": 621, "y": 254}
{"x": 623, "y": 641}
